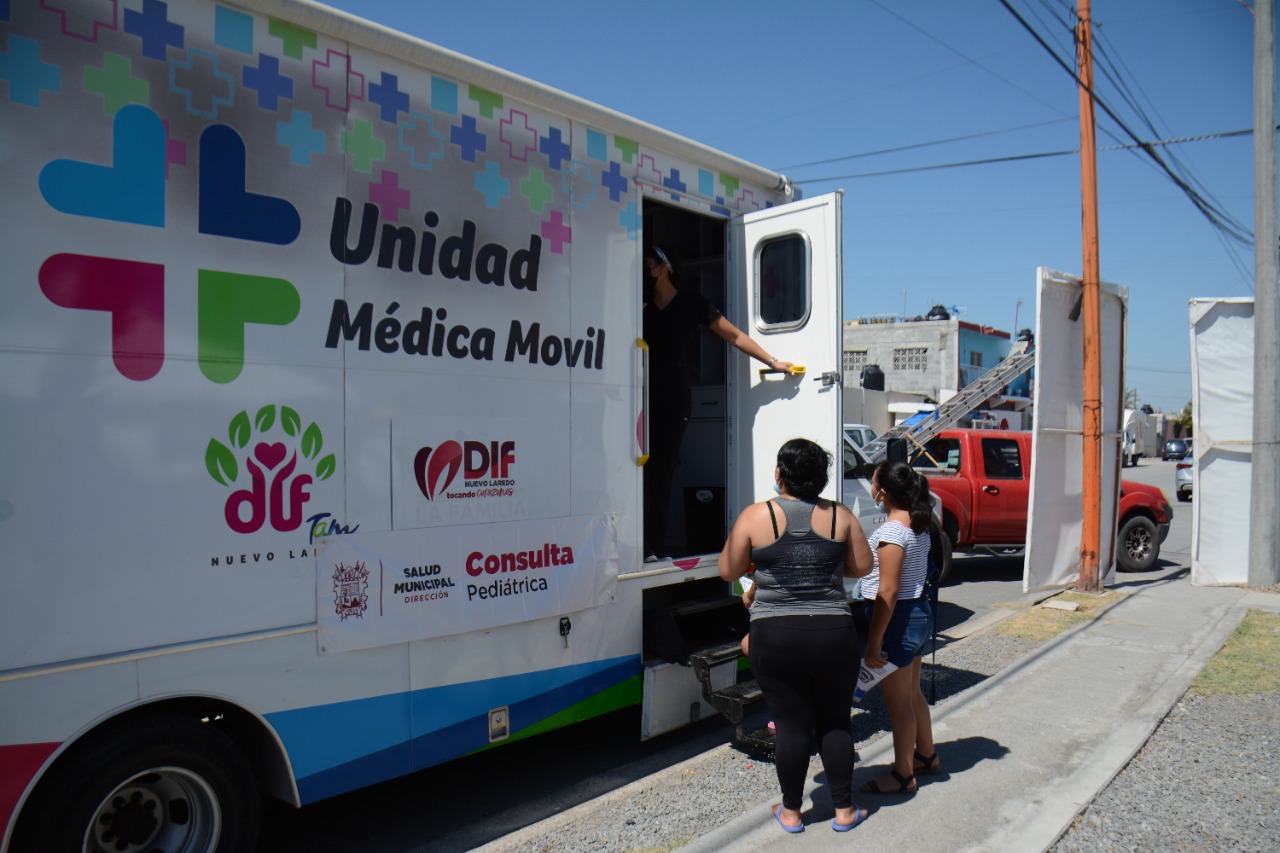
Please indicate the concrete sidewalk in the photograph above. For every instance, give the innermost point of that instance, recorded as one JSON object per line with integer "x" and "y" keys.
{"x": 1026, "y": 750}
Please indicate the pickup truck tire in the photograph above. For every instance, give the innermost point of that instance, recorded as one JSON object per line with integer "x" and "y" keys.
{"x": 1137, "y": 547}
{"x": 941, "y": 555}
{"x": 156, "y": 782}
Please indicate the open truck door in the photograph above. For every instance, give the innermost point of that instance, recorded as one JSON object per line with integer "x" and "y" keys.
{"x": 785, "y": 291}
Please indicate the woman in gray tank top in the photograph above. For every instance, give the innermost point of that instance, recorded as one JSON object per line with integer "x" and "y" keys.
{"x": 804, "y": 650}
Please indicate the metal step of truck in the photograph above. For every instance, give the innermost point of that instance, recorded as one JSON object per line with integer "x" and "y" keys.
{"x": 731, "y": 701}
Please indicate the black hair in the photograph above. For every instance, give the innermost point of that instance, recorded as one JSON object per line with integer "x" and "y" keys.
{"x": 910, "y": 491}
{"x": 803, "y": 467}
{"x": 657, "y": 254}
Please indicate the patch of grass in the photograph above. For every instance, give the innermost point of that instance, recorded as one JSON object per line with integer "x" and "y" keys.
{"x": 1043, "y": 623}
{"x": 1249, "y": 662}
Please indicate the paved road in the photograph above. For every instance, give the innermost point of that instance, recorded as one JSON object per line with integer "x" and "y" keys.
{"x": 980, "y": 584}
{"x": 478, "y": 799}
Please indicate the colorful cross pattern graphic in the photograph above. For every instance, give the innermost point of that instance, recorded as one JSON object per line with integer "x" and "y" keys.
{"x": 168, "y": 96}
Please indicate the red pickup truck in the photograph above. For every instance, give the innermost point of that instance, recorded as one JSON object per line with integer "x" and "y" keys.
{"x": 983, "y": 479}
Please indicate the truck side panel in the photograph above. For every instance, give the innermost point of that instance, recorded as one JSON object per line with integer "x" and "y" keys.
{"x": 998, "y": 466}
{"x": 267, "y": 290}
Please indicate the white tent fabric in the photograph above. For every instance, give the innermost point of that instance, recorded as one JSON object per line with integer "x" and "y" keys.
{"x": 1222, "y": 434}
{"x": 1055, "y": 515}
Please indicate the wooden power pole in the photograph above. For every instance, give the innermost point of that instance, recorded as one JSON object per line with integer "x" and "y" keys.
{"x": 1090, "y": 534}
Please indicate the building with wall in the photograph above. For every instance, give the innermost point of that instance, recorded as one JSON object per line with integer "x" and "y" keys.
{"x": 933, "y": 357}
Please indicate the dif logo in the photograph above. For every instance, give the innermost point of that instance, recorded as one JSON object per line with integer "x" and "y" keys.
{"x": 481, "y": 463}
{"x": 269, "y": 462}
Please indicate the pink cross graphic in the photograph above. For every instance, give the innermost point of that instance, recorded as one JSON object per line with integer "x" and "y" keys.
{"x": 557, "y": 232}
{"x": 648, "y": 175}
{"x": 388, "y": 196}
{"x": 524, "y": 137}
{"x": 98, "y": 19}
{"x": 354, "y": 89}
{"x": 175, "y": 151}
{"x": 748, "y": 201}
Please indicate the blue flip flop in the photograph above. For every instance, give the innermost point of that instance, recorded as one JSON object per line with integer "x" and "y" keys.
{"x": 777, "y": 815}
{"x": 859, "y": 817}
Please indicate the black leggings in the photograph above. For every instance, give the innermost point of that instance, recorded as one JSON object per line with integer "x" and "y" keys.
{"x": 807, "y": 667}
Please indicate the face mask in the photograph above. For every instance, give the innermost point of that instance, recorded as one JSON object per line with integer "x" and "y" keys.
{"x": 879, "y": 505}
{"x": 777, "y": 489}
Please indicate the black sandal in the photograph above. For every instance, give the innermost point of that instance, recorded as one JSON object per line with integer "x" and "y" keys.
{"x": 931, "y": 763}
{"x": 904, "y": 783}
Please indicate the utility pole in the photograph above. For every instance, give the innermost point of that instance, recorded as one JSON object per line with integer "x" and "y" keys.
{"x": 1264, "y": 551}
{"x": 1090, "y": 533}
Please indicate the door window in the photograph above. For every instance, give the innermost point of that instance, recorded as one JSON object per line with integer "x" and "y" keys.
{"x": 1001, "y": 459}
{"x": 939, "y": 453}
{"x": 783, "y": 282}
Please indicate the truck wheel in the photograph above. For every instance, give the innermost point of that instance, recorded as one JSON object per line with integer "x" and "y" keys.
{"x": 155, "y": 783}
{"x": 941, "y": 555}
{"x": 1136, "y": 544}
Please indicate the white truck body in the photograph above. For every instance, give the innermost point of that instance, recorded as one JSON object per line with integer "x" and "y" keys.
{"x": 322, "y": 397}
{"x": 1140, "y": 437}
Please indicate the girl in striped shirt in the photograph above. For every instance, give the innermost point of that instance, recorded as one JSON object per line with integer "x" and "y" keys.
{"x": 899, "y": 614}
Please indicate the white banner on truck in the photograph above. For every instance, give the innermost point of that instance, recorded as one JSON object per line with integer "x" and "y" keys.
{"x": 377, "y": 589}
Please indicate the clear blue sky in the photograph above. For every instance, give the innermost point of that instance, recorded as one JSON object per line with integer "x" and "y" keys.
{"x": 790, "y": 84}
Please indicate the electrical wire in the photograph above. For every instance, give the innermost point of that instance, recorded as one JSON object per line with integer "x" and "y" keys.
{"x": 1208, "y": 207}
{"x": 916, "y": 145}
{"x": 1220, "y": 219}
{"x": 966, "y": 57}
{"x": 1141, "y": 145}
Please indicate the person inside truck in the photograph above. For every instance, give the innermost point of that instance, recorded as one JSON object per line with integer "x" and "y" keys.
{"x": 803, "y": 645}
{"x": 899, "y": 615}
{"x": 671, "y": 318}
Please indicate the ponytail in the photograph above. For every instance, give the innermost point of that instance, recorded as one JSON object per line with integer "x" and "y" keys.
{"x": 909, "y": 490}
{"x": 922, "y": 517}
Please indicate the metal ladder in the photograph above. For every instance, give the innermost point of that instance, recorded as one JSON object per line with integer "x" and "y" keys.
{"x": 1019, "y": 361}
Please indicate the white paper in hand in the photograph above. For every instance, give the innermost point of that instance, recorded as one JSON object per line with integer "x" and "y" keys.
{"x": 869, "y": 678}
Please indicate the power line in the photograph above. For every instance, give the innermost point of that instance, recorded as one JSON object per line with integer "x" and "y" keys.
{"x": 1220, "y": 219}
{"x": 1111, "y": 69}
{"x": 1144, "y": 145}
{"x": 966, "y": 57}
{"x": 924, "y": 144}
{"x": 826, "y": 105}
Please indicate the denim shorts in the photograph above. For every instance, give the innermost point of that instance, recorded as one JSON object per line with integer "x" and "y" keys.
{"x": 908, "y": 630}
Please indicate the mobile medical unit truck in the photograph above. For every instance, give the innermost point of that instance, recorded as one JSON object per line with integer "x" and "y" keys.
{"x": 322, "y": 398}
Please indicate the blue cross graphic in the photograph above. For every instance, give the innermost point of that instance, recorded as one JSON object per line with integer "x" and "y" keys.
{"x": 674, "y": 183}
{"x": 153, "y": 27}
{"x": 268, "y": 82}
{"x": 300, "y": 138}
{"x": 27, "y": 75}
{"x": 468, "y": 140}
{"x": 614, "y": 181}
{"x": 388, "y": 96}
{"x": 629, "y": 219}
{"x": 492, "y": 184}
{"x": 555, "y": 149}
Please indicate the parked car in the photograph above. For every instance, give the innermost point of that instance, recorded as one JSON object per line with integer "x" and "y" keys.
{"x": 1182, "y": 478}
{"x": 1174, "y": 448}
{"x": 859, "y": 434}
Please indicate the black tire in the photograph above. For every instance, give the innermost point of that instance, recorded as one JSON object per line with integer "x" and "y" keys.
{"x": 941, "y": 554}
{"x": 1137, "y": 547}
{"x": 157, "y": 782}
{"x": 1184, "y": 496}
